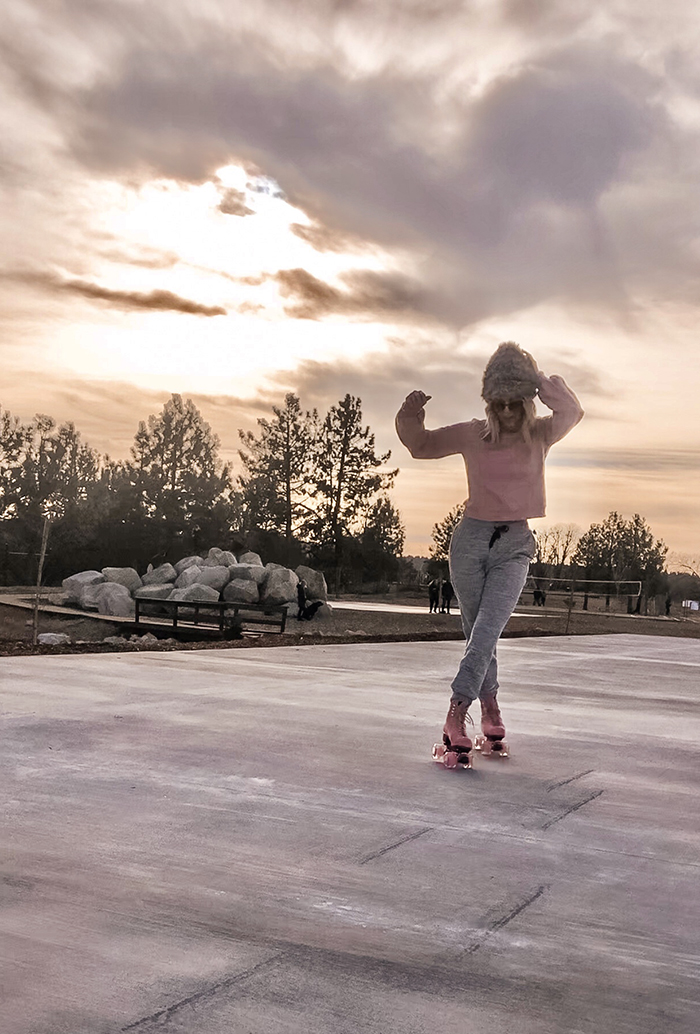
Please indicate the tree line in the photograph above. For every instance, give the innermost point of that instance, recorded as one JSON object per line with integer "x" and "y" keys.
{"x": 614, "y": 553}
{"x": 311, "y": 488}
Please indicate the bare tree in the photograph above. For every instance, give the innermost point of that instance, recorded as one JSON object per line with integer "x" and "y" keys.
{"x": 557, "y": 545}
{"x": 686, "y": 562}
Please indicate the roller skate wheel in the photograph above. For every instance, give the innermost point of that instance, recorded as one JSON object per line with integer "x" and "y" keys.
{"x": 491, "y": 747}
{"x": 450, "y": 759}
{"x": 464, "y": 760}
{"x": 438, "y": 751}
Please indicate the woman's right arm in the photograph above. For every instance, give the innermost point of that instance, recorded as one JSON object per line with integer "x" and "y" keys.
{"x": 423, "y": 444}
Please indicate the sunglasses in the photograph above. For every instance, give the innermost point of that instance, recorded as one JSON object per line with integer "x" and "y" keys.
{"x": 501, "y": 406}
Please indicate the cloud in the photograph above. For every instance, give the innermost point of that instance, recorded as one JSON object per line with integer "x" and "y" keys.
{"x": 107, "y": 413}
{"x": 512, "y": 202}
{"x": 156, "y": 300}
{"x": 371, "y": 295}
{"x": 233, "y": 203}
{"x": 528, "y": 156}
{"x": 324, "y": 238}
{"x": 144, "y": 258}
{"x": 642, "y": 461}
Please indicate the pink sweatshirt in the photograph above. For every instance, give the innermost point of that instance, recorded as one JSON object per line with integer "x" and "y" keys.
{"x": 506, "y": 481}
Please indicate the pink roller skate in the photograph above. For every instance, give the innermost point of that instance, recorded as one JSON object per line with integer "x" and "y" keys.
{"x": 455, "y": 751}
{"x": 490, "y": 742}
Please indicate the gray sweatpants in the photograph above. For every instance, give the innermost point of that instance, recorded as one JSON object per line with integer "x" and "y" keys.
{"x": 488, "y": 569}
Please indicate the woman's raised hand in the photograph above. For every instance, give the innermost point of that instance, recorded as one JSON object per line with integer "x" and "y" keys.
{"x": 551, "y": 389}
{"x": 413, "y": 404}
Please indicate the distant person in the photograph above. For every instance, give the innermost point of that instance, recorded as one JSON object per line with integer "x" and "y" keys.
{"x": 306, "y": 610}
{"x": 667, "y": 606}
{"x": 301, "y": 599}
{"x": 433, "y": 596}
{"x": 447, "y": 596}
{"x": 492, "y": 546}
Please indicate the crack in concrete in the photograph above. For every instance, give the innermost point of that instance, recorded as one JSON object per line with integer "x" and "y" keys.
{"x": 397, "y": 843}
{"x": 571, "y": 779}
{"x": 498, "y": 924}
{"x": 163, "y": 1015}
{"x": 574, "y": 807}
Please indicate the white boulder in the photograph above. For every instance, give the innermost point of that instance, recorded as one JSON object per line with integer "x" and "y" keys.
{"x": 163, "y": 575}
{"x": 217, "y": 577}
{"x": 153, "y": 592}
{"x": 75, "y": 583}
{"x": 254, "y": 572}
{"x": 242, "y": 590}
{"x": 54, "y": 639}
{"x": 196, "y": 593}
{"x": 188, "y": 577}
{"x": 89, "y": 595}
{"x": 142, "y": 642}
{"x": 280, "y": 587}
{"x": 188, "y": 561}
{"x": 316, "y": 588}
{"x": 114, "y": 600}
{"x": 126, "y": 576}
{"x": 250, "y": 558}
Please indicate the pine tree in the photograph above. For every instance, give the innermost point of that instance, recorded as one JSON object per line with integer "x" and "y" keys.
{"x": 442, "y": 534}
{"x": 618, "y": 550}
{"x": 177, "y": 474}
{"x": 346, "y": 476}
{"x": 383, "y": 528}
{"x": 279, "y": 463}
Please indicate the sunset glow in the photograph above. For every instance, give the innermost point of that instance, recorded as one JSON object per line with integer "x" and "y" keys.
{"x": 357, "y": 202}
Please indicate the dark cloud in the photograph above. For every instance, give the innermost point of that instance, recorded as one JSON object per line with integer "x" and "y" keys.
{"x": 233, "y": 203}
{"x": 324, "y": 238}
{"x": 503, "y": 216}
{"x": 543, "y": 14}
{"x": 371, "y": 295}
{"x": 505, "y": 196}
{"x": 650, "y": 462}
{"x": 157, "y": 300}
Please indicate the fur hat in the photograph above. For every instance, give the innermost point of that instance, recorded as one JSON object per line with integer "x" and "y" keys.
{"x": 511, "y": 373}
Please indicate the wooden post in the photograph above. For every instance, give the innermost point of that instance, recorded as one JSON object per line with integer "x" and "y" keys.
{"x": 40, "y": 571}
{"x": 570, "y": 607}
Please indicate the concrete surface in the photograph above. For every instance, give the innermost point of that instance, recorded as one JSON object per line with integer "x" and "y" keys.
{"x": 257, "y": 841}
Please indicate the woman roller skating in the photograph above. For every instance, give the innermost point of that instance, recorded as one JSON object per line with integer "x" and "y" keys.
{"x": 492, "y": 546}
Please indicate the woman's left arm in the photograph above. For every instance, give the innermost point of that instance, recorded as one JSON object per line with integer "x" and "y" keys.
{"x": 566, "y": 408}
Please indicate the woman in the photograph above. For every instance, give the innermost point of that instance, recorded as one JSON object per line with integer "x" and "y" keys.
{"x": 492, "y": 546}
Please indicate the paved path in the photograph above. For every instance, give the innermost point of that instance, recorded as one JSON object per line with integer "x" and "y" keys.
{"x": 255, "y": 841}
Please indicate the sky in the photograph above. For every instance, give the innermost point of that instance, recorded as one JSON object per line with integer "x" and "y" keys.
{"x": 232, "y": 199}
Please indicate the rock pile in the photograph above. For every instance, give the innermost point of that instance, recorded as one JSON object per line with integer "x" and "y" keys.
{"x": 218, "y": 576}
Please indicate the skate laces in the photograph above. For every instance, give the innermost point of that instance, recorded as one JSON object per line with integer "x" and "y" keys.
{"x": 460, "y": 712}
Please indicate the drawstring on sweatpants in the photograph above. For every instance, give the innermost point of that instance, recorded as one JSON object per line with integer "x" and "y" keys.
{"x": 499, "y": 530}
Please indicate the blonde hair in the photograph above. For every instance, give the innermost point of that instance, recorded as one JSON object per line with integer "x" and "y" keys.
{"x": 492, "y": 432}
